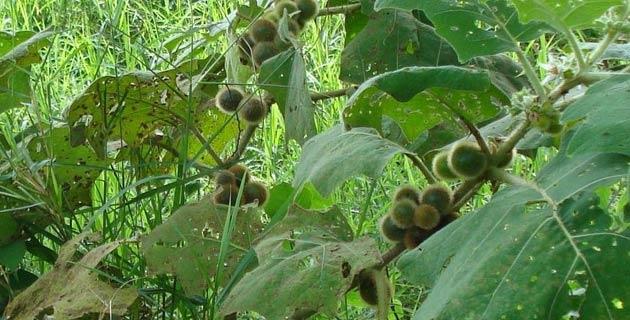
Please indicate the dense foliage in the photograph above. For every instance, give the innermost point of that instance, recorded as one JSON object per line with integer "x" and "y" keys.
{"x": 458, "y": 94}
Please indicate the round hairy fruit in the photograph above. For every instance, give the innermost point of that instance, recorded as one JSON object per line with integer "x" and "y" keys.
{"x": 241, "y": 173}
{"x": 437, "y": 196}
{"x": 226, "y": 194}
{"x": 263, "y": 30}
{"x": 255, "y": 192}
{"x": 225, "y": 178}
{"x": 253, "y": 111}
{"x": 467, "y": 160}
{"x": 390, "y": 231}
{"x": 402, "y": 213}
{"x": 308, "y": 9}
{"x": 374, "y": 286}
{"x": 287, "y": 5}
{"x": 414, "y": 237}
{"x": 408, "y": 192}
{"x": 440, "y": 167}
{"x": 229, "y": 98}
{"x": 263, "y": 51}
{"x": 426, "y": 217}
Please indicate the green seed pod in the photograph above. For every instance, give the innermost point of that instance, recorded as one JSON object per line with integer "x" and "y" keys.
{"x": 402, "y": 213}
{"x": 253, "y": 110}
{"x": 263, "y": 30}
{"x": 308, "y": 9}
{"x": 389, "y": 230}
{"x": 426, "y": 217}
{"x": 229, "y": 98}
{"x": 264, "y": 51}
{"x": 255, "y": 192}
{"x": 437, "y": 196}
{"x": 467, "y": 160}
{"x": 440, "y": 167}
{"x": 246, "y": 46}
{"x": 241, "y": 173}
{"x": 408, "y": 192}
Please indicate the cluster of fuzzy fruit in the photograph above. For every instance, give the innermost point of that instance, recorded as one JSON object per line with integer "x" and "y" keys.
{"x": 263, "y": 40}
{"x": 466, "y": 161}
{"x": 228, "y": 184}
{"x": 251, "y": 108}
{"x": 415, "y": 216}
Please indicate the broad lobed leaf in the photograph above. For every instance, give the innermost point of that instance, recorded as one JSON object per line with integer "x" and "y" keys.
{"x": 307, "y": 262}
{"x": 188, "y": 243}
{"x": 332, "y": 157}
{"x": 419, "y": 98}
{"x": 474, "y": 28}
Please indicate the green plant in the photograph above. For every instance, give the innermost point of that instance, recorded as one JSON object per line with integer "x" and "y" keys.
{"x": 470, "y": 83}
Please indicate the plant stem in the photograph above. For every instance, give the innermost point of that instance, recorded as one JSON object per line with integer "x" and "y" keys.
{"x": 207, "y": 146}
{"x": 316, "y": 96}
{"x": 242, "y": 143}
{"x": 582, "y": 65}
{"x": 530, "y": 73}
{"x": 423, "y": 167}
{"x": 345, "y": 9}
{"x": 391, "y": 254}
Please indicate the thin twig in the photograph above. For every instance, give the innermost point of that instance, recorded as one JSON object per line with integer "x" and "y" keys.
{"x": 242, "y": 144}
{"x": 207, "y": 146}
{"x": 345, "y": 9}
{"x": 423, "y": 167}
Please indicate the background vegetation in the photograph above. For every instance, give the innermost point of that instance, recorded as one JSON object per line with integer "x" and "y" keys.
{"x": 128, "y": 199}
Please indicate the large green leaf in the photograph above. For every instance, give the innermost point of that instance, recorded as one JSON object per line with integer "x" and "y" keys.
{"x": 75, "y": 168}
{"x": 390, "y": 40}
{"x": 307, "y": 263}
{"x": 604, "y": 114}
{"x": 419, "y": 98}
{"x": 284, "y": 76}
{"x": 188, "y": 243}
{"x": 72, "y": 289}
{"x": 485, "y": 265}
{"x": 474, "y": 28}
{"x": 563, "y": 14}
{"x": 131, "y": 107}
{"x": 17, "y": 52}
{"x": 510, "y": 260}
{"x": 331, "y": 157}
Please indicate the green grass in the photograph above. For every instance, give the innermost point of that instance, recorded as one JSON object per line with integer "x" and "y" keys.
{"x": 113, "y": 37}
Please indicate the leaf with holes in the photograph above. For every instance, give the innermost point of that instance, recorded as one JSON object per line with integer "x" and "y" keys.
{"x": 336, "y": 155}
{"x": 307, "y": 271}
{"x": 474, "y": 28}
{"x": 131, "y": 107}
{"x": 72, "y": 288}
{"x": 486, "y": 264}
{"x": 390, "y": 40}
{"x": 563, "y": 14}
{"x": 284, "y": 76}
{"x": 602, "y": 113}
{"x": 419, "y": 98}
{"x": 17, "y": 53}
{"x": 75, "y": 168}
{"x": 188, "y": 243}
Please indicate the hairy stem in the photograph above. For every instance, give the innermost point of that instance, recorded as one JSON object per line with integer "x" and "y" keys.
{"x": 423, "y": 167}
{"x": 582, "y": 65}
{"x": 242, "y": 143}
{"x": 345, "y": 9}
